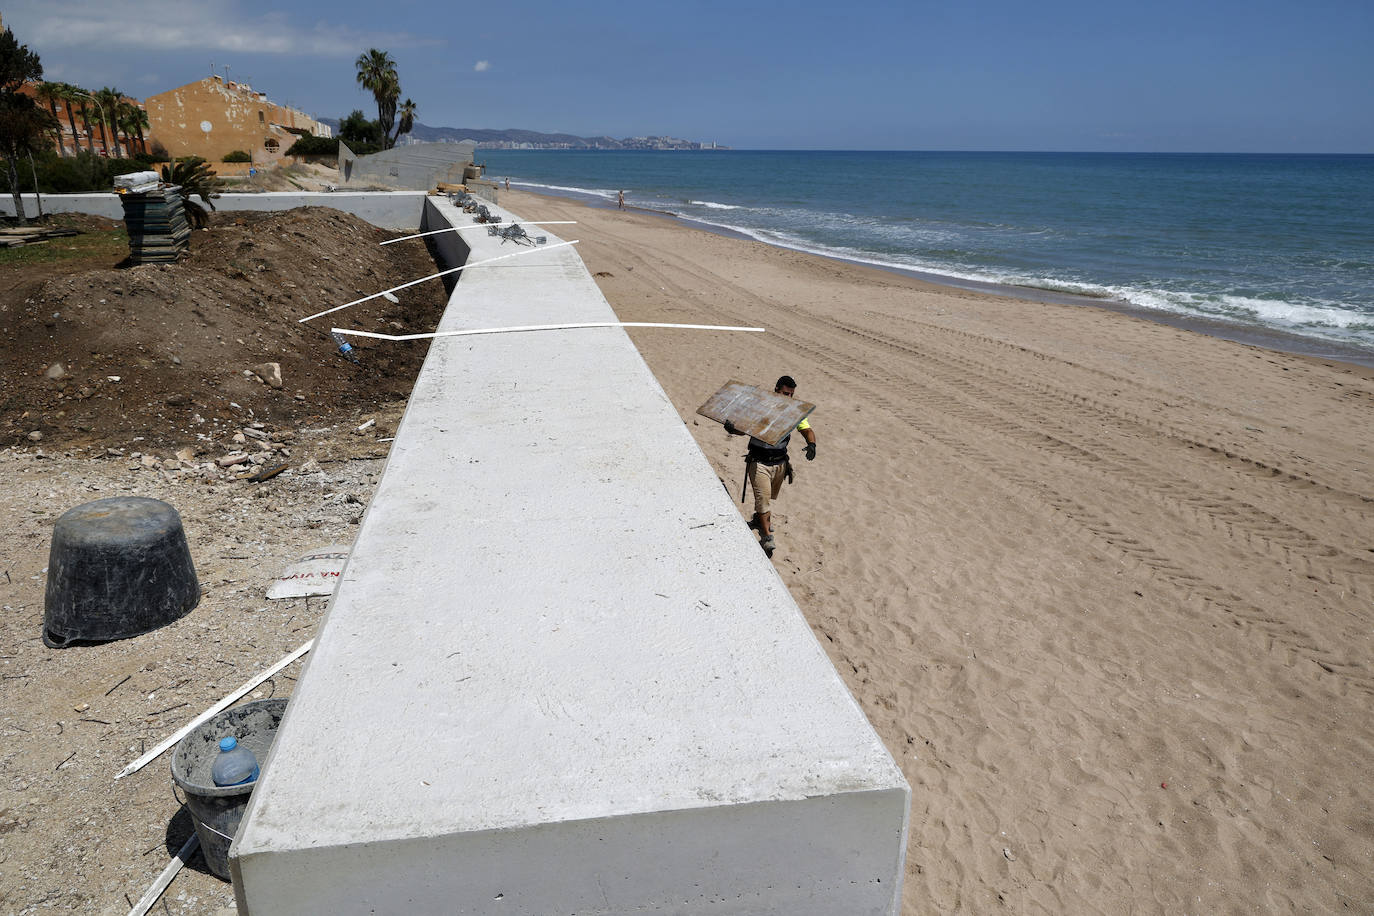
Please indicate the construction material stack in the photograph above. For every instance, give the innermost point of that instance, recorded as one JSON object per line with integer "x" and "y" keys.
{"x": 155, "y": 218}
{"x": 19, "y": 236}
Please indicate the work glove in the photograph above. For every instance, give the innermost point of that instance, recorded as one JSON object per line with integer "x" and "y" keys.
{"x": 787, "y": 472}
{"x": 732, "y": 429}
{"x": 810, "y": 451}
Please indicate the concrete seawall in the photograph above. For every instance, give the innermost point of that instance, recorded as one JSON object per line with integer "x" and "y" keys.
{"x": 558, "y": 675}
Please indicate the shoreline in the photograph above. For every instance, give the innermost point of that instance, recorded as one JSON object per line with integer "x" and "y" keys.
{"x": 1275, "y": 339}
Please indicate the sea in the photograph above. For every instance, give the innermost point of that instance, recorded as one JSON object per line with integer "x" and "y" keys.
{"x": 1275, "y": 249}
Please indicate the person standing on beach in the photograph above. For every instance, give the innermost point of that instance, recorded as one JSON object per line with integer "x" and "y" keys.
{"x": 621, "y": 200}
{"x": 766, "y": 467}
{"x": 507, "y": 182}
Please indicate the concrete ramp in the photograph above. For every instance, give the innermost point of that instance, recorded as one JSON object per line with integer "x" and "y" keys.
{"x": 558, "y": 675}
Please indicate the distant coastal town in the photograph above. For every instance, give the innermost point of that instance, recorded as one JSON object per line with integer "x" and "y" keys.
{"x": 664, "y": 143}
{"x": 530, "y": 139}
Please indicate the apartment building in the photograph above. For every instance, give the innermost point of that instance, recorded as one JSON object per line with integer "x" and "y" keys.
{"x": 214, "y": 116}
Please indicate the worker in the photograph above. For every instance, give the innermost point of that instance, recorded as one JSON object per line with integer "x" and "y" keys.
{"x": 766, "y": 467}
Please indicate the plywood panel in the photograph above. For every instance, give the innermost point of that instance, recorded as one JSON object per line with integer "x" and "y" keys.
{"x": 765, "y": 415}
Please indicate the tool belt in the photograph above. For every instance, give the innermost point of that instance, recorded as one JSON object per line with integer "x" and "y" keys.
{"x": 771, "y": 458}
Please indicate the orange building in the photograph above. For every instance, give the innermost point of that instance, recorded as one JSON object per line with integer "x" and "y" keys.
{"x": 212, "y": 117}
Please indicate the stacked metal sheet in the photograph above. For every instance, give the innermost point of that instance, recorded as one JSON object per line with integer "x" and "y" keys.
{"x": 156, "y": 220}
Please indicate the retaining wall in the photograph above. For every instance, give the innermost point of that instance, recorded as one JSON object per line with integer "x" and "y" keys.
{"x": 558, "y": 675}
{"x": 419, "y": 166}
{"x": 388, "y": 209}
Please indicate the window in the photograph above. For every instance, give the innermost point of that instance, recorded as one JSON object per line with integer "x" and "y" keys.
{"x": 261, "y": 119}
{"x": 271, "y": 144}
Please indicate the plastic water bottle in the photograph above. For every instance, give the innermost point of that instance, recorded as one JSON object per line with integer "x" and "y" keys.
{"x": 345, "y": 348}
{"x": 235, "y": 765}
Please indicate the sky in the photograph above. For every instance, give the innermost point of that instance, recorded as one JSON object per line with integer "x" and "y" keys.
{"x": 1057, "y": 75}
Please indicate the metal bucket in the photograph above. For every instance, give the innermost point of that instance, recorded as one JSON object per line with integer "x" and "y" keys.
{"x": 217, "y": 810}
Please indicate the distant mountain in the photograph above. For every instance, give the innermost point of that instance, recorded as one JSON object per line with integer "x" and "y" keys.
{"x": 515, "y": 138}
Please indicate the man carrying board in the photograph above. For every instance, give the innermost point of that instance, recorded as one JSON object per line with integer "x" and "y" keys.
{"x": 766, "y": 466}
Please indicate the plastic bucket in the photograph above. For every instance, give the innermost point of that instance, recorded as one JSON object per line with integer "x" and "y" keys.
{"x": 217, "y": 810}
{"x": 117, "y": 568}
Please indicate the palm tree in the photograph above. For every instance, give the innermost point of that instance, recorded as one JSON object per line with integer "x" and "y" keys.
{"x": 109, "y": 114}
{"x": 195, "y": 178}
{"x": 377, "y": 74}
{"x": 68, "y": 95}
{"x": 85, "y": 97}
{"x": 407, "y": 120}
{"x": 99, "y": 122}
{"x": 132, "y": 120}
{"x": 51, "y": 93}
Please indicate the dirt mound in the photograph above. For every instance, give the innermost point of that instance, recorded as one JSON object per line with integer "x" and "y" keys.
{"x": 97, "y": 353}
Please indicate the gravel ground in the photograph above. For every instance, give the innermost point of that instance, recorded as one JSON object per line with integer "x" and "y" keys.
{"x": 71, "y": 837}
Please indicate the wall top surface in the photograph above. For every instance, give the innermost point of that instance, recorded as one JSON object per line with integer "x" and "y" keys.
{"x": 553, "y": 611}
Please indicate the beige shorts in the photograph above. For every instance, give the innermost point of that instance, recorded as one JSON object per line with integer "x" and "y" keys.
{"x": 766, "y": 479}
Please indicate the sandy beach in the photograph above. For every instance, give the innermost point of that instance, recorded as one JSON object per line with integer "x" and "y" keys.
{"x": 1102, "y": 586}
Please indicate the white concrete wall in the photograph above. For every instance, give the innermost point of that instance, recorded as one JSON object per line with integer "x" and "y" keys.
{"x": 451, "y": 248}
{"x": 558, "y": 675}
{"x": 388, "y": 209}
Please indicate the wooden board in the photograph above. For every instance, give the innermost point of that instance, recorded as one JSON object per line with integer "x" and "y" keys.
{"x": 762, "y": 414}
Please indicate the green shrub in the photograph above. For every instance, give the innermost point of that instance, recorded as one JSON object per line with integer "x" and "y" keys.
{"x": 314, "y": 146}
{"x": 237, "y": 155}
{"x": 356, "y": 130}
{"x": 71, "y": 174}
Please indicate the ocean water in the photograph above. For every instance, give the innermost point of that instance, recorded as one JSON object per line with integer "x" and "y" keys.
{"x": 1275, "y": 242}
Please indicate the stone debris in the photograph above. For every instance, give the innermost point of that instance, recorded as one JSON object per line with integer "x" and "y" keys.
{"x": 240, "y": 461}
{"x": 270, "y": 373}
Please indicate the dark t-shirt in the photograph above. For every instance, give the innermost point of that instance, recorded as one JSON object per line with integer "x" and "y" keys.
{"x": 763, "y": 453}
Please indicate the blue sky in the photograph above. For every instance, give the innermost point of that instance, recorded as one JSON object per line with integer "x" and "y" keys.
{"x": 1167, "y": 75}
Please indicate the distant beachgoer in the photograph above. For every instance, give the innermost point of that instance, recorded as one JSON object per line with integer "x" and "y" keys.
{"x": 622, "y": 200}
{"x": 766, "y": 467}
{"x": 508, "y": 183}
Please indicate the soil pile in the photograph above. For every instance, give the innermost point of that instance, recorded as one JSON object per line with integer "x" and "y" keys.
{"x": 180, "y": 354}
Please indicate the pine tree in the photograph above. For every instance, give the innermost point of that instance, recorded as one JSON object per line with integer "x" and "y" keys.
{"x": 23, "y": 124}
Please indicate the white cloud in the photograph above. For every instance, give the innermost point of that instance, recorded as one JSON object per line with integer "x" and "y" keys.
{"x": 482, "y": 66}
{"x": 187, "y": 25}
